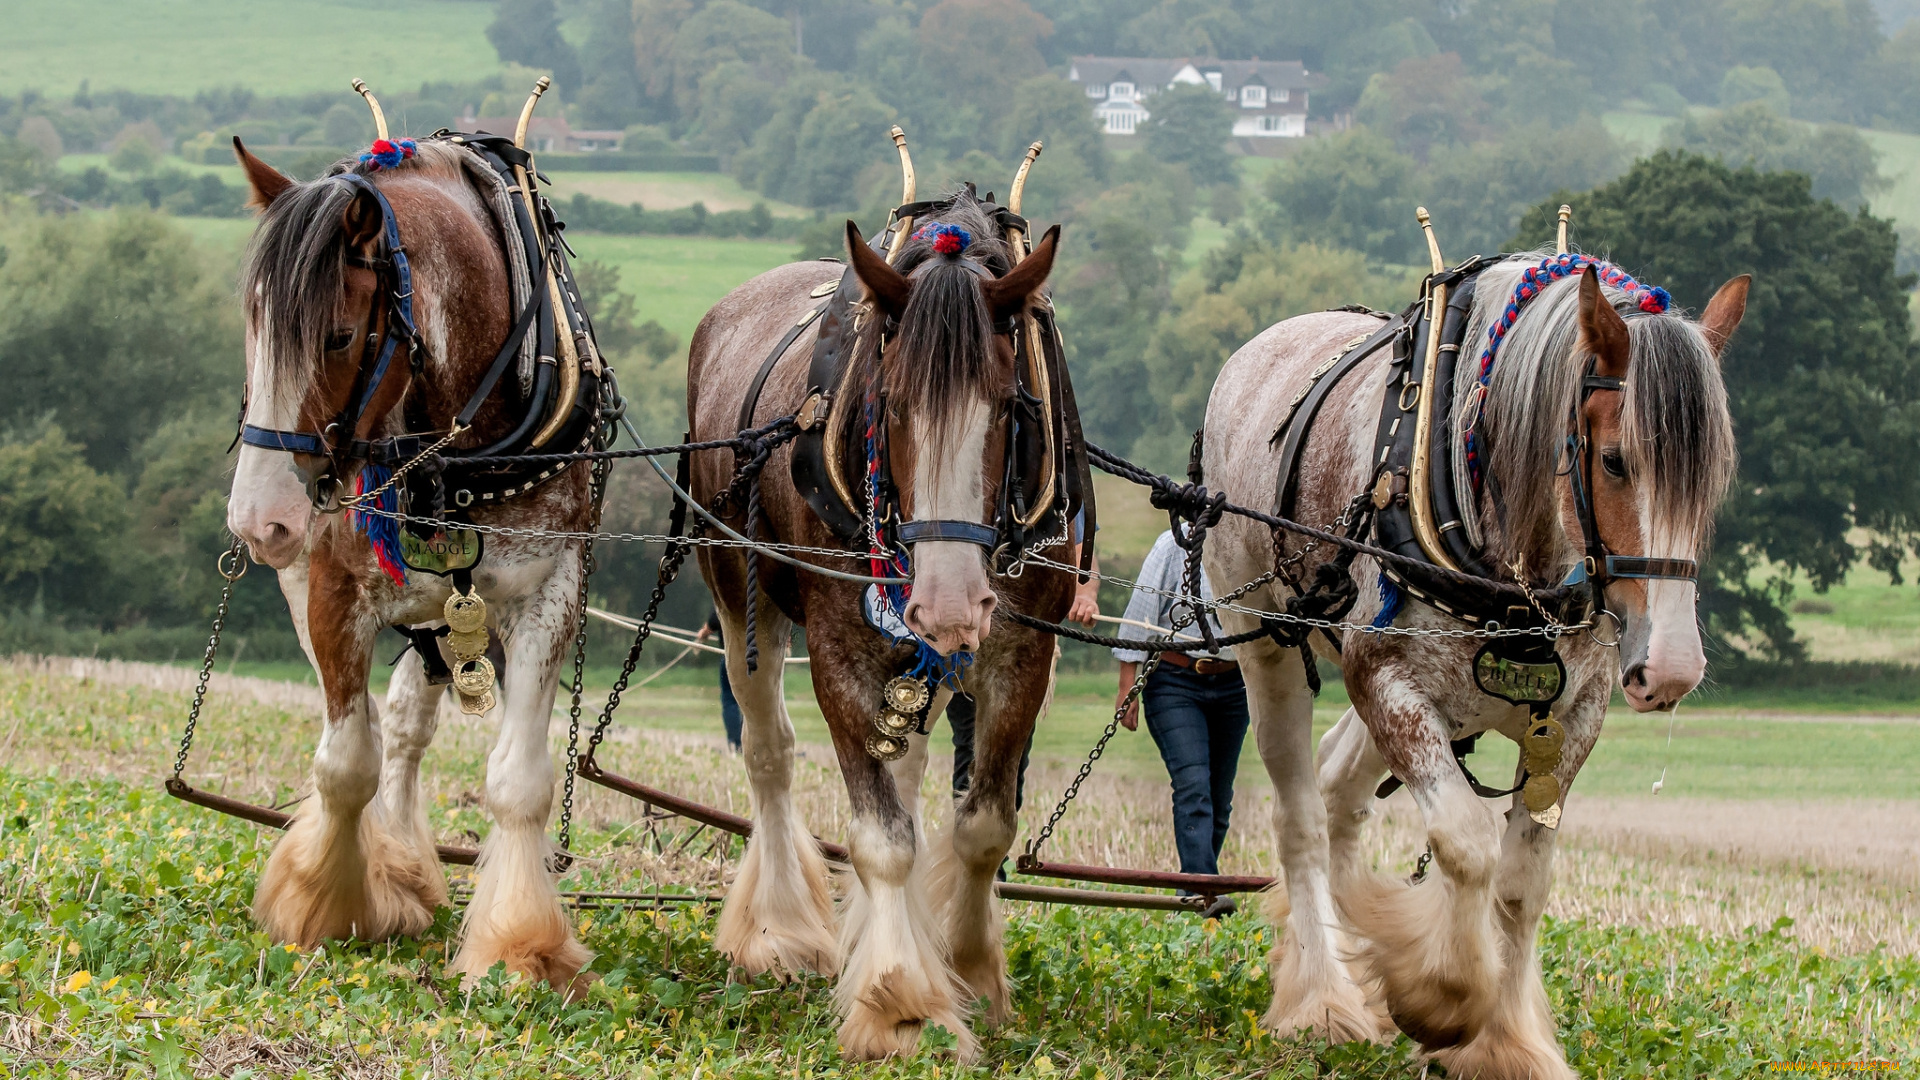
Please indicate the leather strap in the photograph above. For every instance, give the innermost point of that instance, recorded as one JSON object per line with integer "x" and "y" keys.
{"x": 1637, "y": 566}
{"x": 752, "y": 400}
{"x": 1294, "y": 428}
{"x": 1200, "y": 665}
{"x": 946, "y": 529}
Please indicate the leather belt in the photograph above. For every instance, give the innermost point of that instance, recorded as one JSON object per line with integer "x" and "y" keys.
{"x": 1200, "y": 665}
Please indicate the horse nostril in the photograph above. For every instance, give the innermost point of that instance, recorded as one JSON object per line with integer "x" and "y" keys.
{"x": 1635, "y": 676}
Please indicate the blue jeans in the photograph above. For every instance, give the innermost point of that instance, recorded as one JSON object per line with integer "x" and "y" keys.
{"x": 1199, "y": 723}
{"x": 729, "y": 709}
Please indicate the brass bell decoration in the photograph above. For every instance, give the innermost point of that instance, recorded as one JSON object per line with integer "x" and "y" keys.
{"x": 1541, "y": 747}
{"x": 903, "y": 710}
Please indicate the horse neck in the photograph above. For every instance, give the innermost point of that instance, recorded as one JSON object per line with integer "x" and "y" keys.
{"x": 463, "y": 300}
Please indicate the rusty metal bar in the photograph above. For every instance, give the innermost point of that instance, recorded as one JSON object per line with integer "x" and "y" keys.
{"x": 274, "y": 819}
{"x": 1204, "y": 884}
{"x": 687, "y": 808}
{"x": 1054, "y": 894}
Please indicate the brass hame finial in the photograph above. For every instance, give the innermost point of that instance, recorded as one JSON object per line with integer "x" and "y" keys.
{"x": 1015, "y": 238}
{"x": 379, "y": 118}
{"x": 526, "y": 111}
{"x": 1560, "y": 242}
{"x": 908, "y": 187}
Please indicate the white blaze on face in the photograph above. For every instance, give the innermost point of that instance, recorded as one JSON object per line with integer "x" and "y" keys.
{"x": 1674, "y": 661}
{"x": 952, "y": 603}
{"x": 268, "y": 507}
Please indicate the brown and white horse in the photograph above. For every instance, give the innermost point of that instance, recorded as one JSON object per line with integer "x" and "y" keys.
{"x": 1452, "y": 958}
{"x": 359, "y": 859}
{"x": 920, "y": 932}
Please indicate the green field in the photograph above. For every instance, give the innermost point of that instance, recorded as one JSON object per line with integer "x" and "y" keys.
{"x": 287, "y": 47}
{"x": 126, "y": 950}
{"x": 666, "y": 191}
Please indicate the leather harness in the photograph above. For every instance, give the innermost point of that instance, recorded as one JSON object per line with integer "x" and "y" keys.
{"x": 465, "y": 477}
{"x": 1394, "y": 457}
{"x": 832, "y": 439}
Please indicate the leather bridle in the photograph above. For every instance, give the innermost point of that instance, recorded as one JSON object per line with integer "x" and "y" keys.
{"x": 1599, "y": 568}
{"x": 339, "y": 441}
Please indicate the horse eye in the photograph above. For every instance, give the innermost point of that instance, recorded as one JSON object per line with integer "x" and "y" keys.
{"x": 1615, "y": 465}
{"x": 339, "y": 340}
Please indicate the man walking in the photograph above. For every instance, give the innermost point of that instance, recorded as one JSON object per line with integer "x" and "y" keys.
{"x": 1196, "y": 712}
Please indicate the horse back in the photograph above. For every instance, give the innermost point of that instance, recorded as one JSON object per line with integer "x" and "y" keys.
{"x": 735, "y": 338}
{"x": 1254, "y": 396}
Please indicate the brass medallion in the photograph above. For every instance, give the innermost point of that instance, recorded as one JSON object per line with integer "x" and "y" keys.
{"x": 465, "y": 613}
{"x": 471, "y": 643}
{"x": 906, "y": 695}
{"x": 892, "y": 724}
{"x": 475, "y": 706}
{"x": 885, "y": 747}
{"x": 474, "y": 677}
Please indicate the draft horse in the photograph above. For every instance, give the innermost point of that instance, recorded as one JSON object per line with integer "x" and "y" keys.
{"x": 933, "y": 367}
{"x": 381, "y": 320}
{"x": 1586, "y": 368}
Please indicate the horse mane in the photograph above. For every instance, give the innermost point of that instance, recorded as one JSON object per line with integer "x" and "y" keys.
{"x": 946, "y": 332}
{"x": 292, "y": 279}
{"x": 1676, "y": 431}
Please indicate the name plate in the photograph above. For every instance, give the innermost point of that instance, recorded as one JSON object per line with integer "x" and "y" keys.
{"x": 1517, "y": 681}
{"x": 443, "y": 552}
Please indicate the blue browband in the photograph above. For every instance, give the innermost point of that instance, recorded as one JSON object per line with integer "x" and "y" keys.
{"x": 400, "y": 330}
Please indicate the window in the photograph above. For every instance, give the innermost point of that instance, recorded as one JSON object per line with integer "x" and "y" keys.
{"x": 1213, "y": 80}
{"x": 1121, "y": 123}
{"x": 1270, "y": 123}
{"x": 1096, "y": 90}
{"x": 1233, "y": 94}
{"x": 1121, "y": 91}
{"x": 1280, "y": 95}
{"x": 1253, "y": 97}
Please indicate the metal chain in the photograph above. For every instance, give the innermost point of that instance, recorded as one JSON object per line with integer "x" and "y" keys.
{"x": 564, "y": 861}
{"x": 232, "y": 565}
{"x": 670, "y": 563}
{"x": 370, "y": 496}
{"x": 1181, "y": 620}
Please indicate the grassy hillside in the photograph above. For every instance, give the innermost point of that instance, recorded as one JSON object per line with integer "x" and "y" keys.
{"x": 289, "y": 46}
{"x": 666, "y": 191}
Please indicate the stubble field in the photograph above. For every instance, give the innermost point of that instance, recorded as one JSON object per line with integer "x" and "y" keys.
{"x": 1699, "y": 934}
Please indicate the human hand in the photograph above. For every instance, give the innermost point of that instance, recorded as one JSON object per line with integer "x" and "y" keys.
{"x": 1086, "y": 605}
{"x": 1130, "y": 719}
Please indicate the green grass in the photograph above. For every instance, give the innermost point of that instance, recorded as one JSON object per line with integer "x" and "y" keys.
{"x": 283, "y": 47}
{"x": 126, "y": 945}
{"x": 667, "y": 191}
{"x": 677, "y": 278}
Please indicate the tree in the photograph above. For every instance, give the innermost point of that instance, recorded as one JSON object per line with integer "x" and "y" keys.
{"x": 824, "y": 132}
{"x": 1190, "y": 126}
{"x": 1350, "y": 191}
{"x": 612, "y": 96}
{"x": 528, "y": 32}
{"x": 728, "y": 32}
{"x": 1054, "y": 111}
{"x": 1823, "y": 377}
{"x": 62, "y": 526}
{"x": 1426, "y": 101}
{"x": 134, "y": 330}
{"x": 978, "y": 50}
{"x": 1837, "y": 159}
{"x": 1478, "y": 193}
{"x": 617, "y": 328}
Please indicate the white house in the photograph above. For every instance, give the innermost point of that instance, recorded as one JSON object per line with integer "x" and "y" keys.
{"x": 1269, "y": 97}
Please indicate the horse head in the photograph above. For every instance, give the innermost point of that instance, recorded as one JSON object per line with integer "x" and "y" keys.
{"x": 1656, "y": 426}
{"x": 941, "y": 345}
{"x": 321, "y": 300}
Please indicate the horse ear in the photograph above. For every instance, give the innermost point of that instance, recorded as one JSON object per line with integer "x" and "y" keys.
{"x": 1724, "y": 313}
{"x": 887, "y": 286}
{"x": 1603, "y": 333}
{"x": 1009, "y": 294}
{"x": 362, "y": 221}
{"x": 268, "y": 183}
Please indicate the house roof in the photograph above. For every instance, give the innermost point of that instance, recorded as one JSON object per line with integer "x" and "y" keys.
{"x": 1156, "y": 71}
